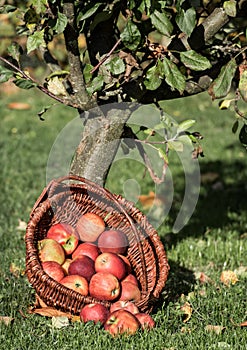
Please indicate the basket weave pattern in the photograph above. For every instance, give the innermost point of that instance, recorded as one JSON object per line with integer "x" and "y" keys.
{"x": 65, "y": 200}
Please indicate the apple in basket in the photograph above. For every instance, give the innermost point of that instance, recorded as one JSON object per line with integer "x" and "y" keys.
{"x": 125, "y": 305}
{"x": 87, "y": 248}
{"x": 76, "y": 283}
{"x": 94, "y": 312}
{"x": 130, "y": 292}
{"x": 131, "y": 278}
{"x": 89, "y": 227}
{"x": 65, "y": 235}
{"x": 110, "y": 262}
{"x": 121, "y": 322}
{"x": 50, "y": 250}
{"x": 127, "y": 263}
{"x": 146, "y": 320}
{"x": 113, "y": 241}
{"x": 104, "y": 286}
{"x": 54, "y": 270}
{"x": 83, "y": 266}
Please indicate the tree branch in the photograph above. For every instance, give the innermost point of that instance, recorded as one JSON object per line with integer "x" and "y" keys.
{"x": 71, "y": 34}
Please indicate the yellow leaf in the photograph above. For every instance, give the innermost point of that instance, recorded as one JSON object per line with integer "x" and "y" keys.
{"x": 187, "y": 311}
{"x": 50, "y": 312}
{"x": 151, "y": 199}
{"x": 228, "y": 277}
{"x": 6, "y": 320}
{"x": 215, "y": 329}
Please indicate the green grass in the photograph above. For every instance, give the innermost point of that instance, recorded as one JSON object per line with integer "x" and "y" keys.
{"x": 213, "y": 240}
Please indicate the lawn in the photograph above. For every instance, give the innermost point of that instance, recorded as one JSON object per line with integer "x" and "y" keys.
{"x": 214, "y": 239}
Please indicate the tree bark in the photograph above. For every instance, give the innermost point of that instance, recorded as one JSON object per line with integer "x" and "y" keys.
{"x": 99, "y": 144}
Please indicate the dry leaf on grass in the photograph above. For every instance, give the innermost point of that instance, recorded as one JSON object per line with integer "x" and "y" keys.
{"x": 187, "y": 311}
{"x": 6, "y": 320}
{"x": 243, "y": 324}
{"x": 22, "y": 225}
{"x": 215, "y": 329}
{"x": 202, "y": 277}
{"x": 50, "y": 312}
{"x": 16, "y": 271}
{"x": 60, "y": 322}
{"x": 151, "y": 199}
{"x": 228, "y": 277}
{"x": 19, "y": 106}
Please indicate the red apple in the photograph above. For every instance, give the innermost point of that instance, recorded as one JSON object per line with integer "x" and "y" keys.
{"x": 83, "y": 266}
{"x": 77, "y": 283}
{"x": 65, "y": 235}
{"x": 121, "y": 322}
{"x": 65, "y": 265}
{"x": 113, "y": 241}
{"x": 131, "y": 278}
{"x": 104, "y": 286}
{"x": 110, "y": 262}
{"x": 88, "y": 249}
{"x": 94, "y": 312}
{"x": 126, "y": 305}
{"x": 51, "y": 250}
{"x": 146, "y": 321}
{"x": 53, "y": 269}
{"x": 89, "y": 227}
{"x": 130, "y": 292}
{"x": 127, "y": 263}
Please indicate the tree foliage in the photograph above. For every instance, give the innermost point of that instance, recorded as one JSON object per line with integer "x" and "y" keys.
{"x": 136, "y": 50}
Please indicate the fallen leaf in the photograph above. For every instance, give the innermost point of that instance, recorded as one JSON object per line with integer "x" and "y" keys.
{"x": 243, "y": 324}
{"x": 215, "y": 329}
{"x": 50, "y": 312}
{"x": 202, "y": 277}
{"x": 6, "y": 320}
{"x": 228, "y": 277}
{"x": 22, "y": 225}
{"x": 151, "y": 199}
{"x": 241, "y": 271}
{"x": 16, "y": 271}
{"x": 60, "y": 322}
{"x": 19, "y": 106}
{"x": 187, "y": 311}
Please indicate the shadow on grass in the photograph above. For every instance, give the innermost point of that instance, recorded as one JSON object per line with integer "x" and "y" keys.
{"x": 222, "y": 202}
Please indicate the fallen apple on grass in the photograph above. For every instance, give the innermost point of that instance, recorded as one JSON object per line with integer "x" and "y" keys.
{"x": 65, "y": 235}
{"x": 121, "y": 322}
{"x": 76, "y": 283}
{"x": 51, "y": 250}
{"x": 89, "y": 227}
{"x": 83, "y": 266}
{"x": 146, "y": 321}
{"x": 113, "y": 241}
{"x": 54, "y": 270}
{"x": 104, "y": 286}
{"x": 94, "y": 312}
{"x": 110, "y": 262}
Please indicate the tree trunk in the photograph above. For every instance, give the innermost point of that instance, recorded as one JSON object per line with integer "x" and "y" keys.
{"x": 99, "y": 144}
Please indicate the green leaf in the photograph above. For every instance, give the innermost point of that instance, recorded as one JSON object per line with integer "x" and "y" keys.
{"x": 131, "y": 36}
{"x": 230, "y": 7}
{"x": 61, "y": 23}
{"x": 87, "y": 73}
{"x": 222, "y": 84}
{"x": 175, "y": 145}
{"x": 116, "y": 66}
{"x": 154, "y": 76}
{"x": 185, "y": 125}
{"x": 243, "y": 83}
{"x": 7, "y": 8}
{"x": 5, "y": 74}
{"x": 88, "y": 13}
{"x": 163, "y": 155}
{"x": 35, "y": 40}
{"x": 40, "y": 5}
{"x": 24, "y": 83}
{"x": 173, "y": 76}
{"x": 194, "y": 60}
{"x": 14, "y": 50}
{"x": 186, "y": 20}
{"x": 96, "y": 84}
{"x": 235, "y": 127}
{"x": 161, "y": 22}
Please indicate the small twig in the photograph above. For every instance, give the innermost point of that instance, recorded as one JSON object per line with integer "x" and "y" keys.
{"x": 105, "y": 57}
{"x": 40, "y": 87}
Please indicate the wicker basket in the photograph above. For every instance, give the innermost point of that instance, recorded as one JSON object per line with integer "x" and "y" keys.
{"x": 65, "y": 200}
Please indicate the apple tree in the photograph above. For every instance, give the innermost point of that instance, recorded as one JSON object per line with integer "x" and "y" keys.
{"x": 96, "y": 53}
